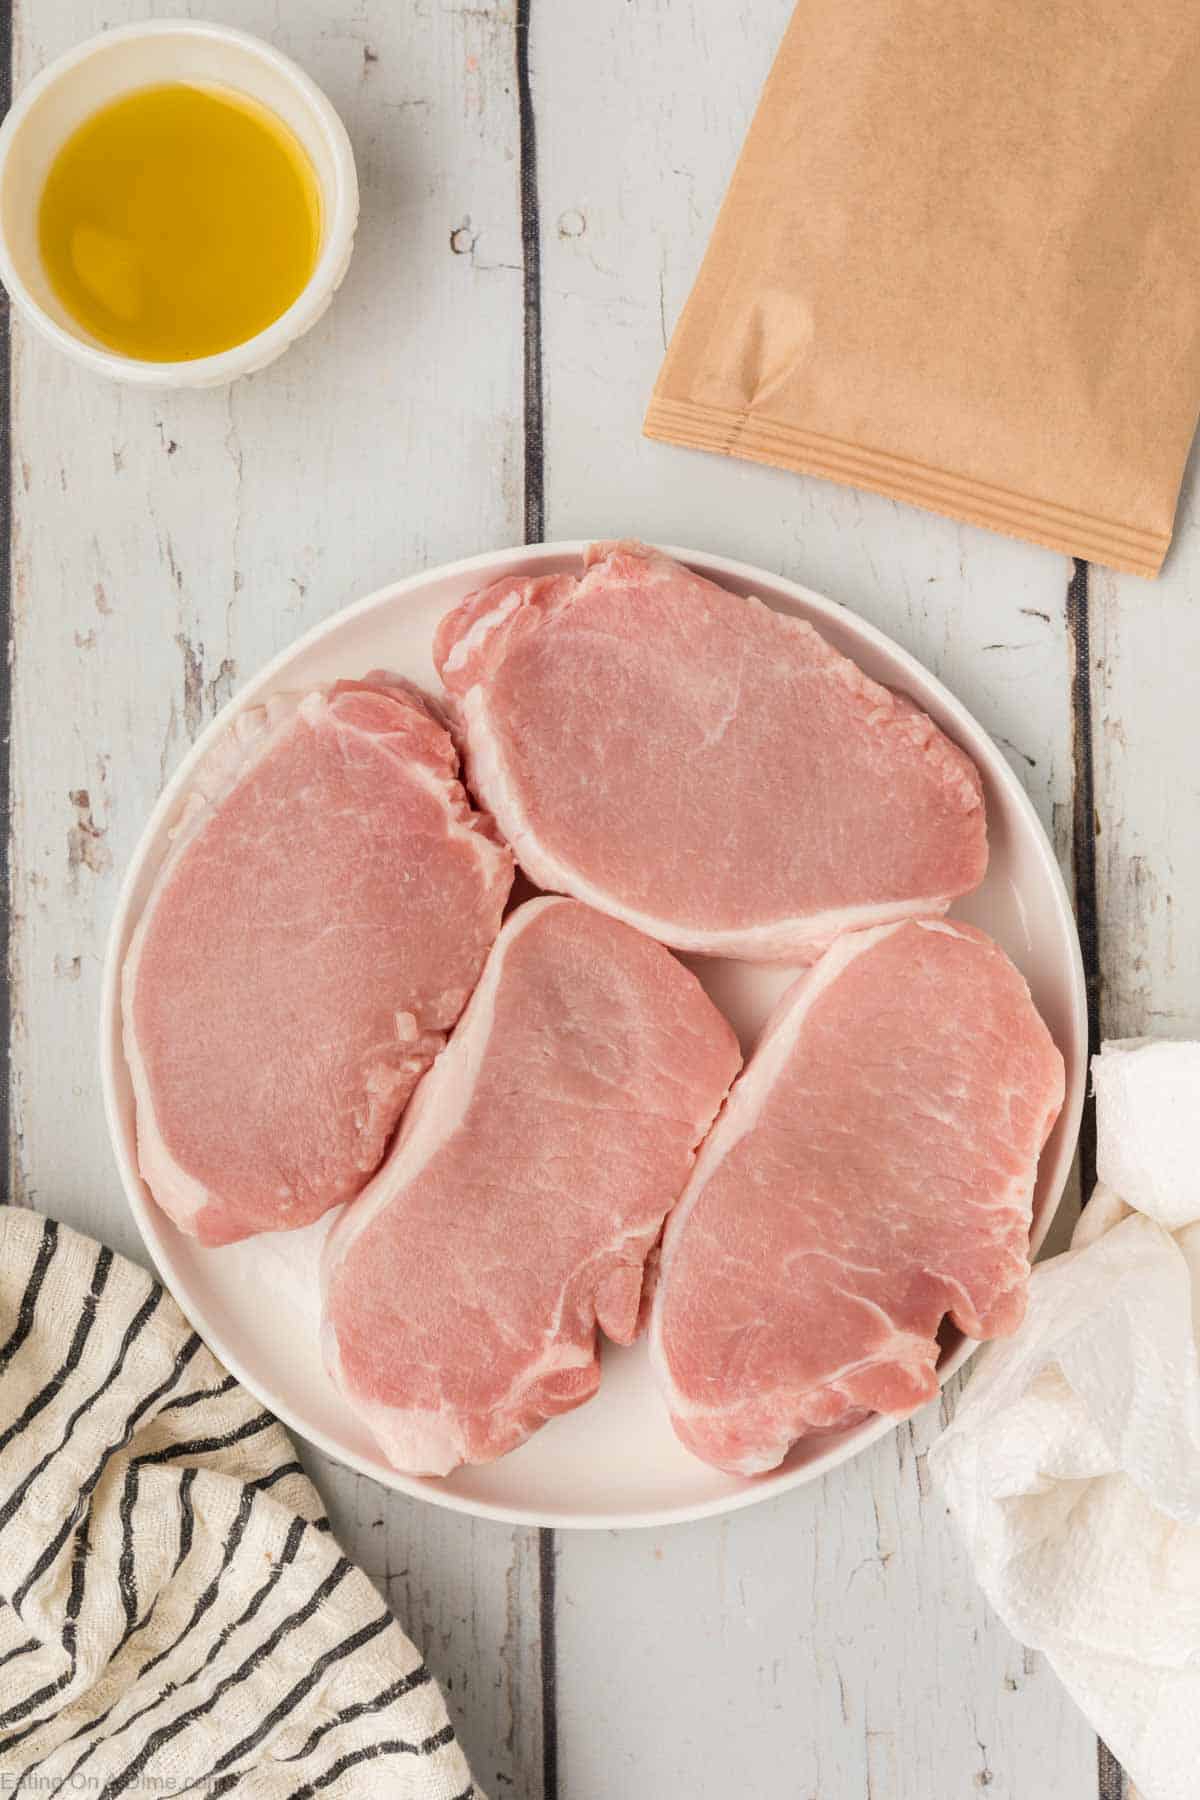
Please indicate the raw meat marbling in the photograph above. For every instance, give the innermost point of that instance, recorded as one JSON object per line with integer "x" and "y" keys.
{"x": 707, "y": 769}
{"x": 516, "y": 1211}
{"x": 872, "y": 1171}
{"x": 314, "y": 932}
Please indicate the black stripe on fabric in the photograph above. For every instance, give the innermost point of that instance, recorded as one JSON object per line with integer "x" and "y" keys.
{"x": 371, "y": 1753}
{"x": 236, "y": 1532}
{"x": 42, "y": 1261}
{"x": 420, "y": 1677}
{"x": 126, "y": 1574}
{"x": 291, "y": 1700}
{"x": 287, "y": 1555}
{"x": 120, "y": 1783}
{"x": 203, "y": 1446}
{"x": 83, "y": 1549}
{"x": 132, "y": 1624}
{"x": 204, "y": 1600}
{"x": 22, "y": 1708}
{"x": 263, "y": 1482}
{"x": 16, "y": 1498}
{"x": 1110, "y": 1774}
{"x": 20, "y": 1650}
{"x": 83, "y": 1330}
{"x": 187, "y": 1519}
{"x": 128, "y": 1586}
{"x": 201, "y": 1394}
{"x": 85, "y": 1493}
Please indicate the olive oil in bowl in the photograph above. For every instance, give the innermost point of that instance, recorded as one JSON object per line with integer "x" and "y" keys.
{"x": 178, "y": 221}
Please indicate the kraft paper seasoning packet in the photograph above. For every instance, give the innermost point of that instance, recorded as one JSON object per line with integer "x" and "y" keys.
{"x": 959, "y": 264}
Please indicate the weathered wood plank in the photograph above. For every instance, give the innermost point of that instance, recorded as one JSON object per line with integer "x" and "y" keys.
{"x": 1144, "y": 651}
{"x": 828, "y": 1644}
{"x": 468, "y": 1591}
{"x": 832, "y": 1642}
{"x": 165, "y": 547}
{"x": 1145, "y": 645}
{"x": 831, "y": 1639}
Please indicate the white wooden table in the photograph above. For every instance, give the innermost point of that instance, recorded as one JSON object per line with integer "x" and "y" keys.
{"x": 536, "y": 195}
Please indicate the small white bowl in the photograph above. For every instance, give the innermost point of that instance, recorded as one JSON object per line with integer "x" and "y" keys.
{"x": 71, "y": 89}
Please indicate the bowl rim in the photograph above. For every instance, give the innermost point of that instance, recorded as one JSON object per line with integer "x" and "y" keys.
{"x": 342, "y": 210}
{"x": 494, "y": 564}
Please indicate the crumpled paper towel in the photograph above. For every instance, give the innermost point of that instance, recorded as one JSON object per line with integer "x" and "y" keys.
{"x": 1148, "y": 1127}
{"x": 1073, "y": 1465}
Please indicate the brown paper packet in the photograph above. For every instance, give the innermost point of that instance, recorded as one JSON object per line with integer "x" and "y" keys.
{"x": 959, "y": 264}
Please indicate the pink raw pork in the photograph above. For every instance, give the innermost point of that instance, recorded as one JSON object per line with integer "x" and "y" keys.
{"x": 700, "y": 766}
{"x": 872, "y": 1171}
{"x": 314, "y": 932}
{"x": 528, "y": 1185}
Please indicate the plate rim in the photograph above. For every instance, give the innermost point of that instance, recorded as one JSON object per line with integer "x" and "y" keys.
{"x": 498, "y": 563}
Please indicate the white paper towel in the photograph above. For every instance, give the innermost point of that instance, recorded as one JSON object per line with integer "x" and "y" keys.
{"x": 1148, "y": 1127}
{"x": 1073, "y": 1464}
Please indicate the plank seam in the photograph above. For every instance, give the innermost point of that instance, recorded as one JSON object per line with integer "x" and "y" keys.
{"x": 535, "y": 525}
{"x": 6, "y": 660}
{"x": 1083, "y": 847}
{"x": 547, "y": 1553}
{"x": 1111, "y": 1780}
{"x": 531, "y": 256}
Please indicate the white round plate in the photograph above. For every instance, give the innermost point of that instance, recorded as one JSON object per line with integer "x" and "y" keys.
{"x": 615, "y": 1461}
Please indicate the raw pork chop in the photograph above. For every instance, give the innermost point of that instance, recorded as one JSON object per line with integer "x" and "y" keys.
{"x": 527, "y": 1187}
{"x": 322, "y": 916}
{"x": 872, "y": 1171}
{"x": 708, "y": 770}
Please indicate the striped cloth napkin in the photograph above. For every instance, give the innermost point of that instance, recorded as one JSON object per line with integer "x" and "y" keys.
{"x": 175, "y": 1616}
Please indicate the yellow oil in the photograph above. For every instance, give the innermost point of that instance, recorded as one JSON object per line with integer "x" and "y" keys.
{"x": 178, "y": 221}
